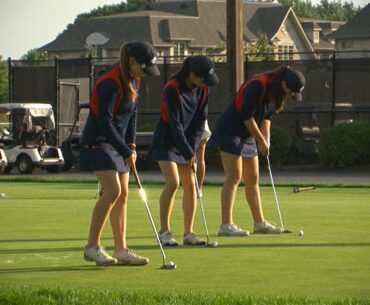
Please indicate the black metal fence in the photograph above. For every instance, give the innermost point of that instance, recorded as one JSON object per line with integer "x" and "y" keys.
{"x": 337, "y": 90}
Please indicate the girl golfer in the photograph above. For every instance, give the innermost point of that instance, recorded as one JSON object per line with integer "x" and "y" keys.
{"x": 179, "y": 131}
{"x": 108, "y": 143}
{"x": 243, "y": 130}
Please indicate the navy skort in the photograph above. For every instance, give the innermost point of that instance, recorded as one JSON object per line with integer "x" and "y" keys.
{"x": 232, "y": 144}
{"x": 160, "y": 154}
{"x": 102, "y": 158}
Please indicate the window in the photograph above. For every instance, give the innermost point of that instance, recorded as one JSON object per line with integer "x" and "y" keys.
{"x": 98, "y": 51}
{"x": 285, "y": 52}
{"x": 179, "y": 51}
{"x": 346, "y": 44}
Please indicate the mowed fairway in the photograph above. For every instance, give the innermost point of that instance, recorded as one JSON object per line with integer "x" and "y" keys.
{"x": 43, "y": 229}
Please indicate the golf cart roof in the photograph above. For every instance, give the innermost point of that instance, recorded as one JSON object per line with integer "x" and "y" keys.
{"x": 27, "y": 112}
{"x": 32, "y": 109}
{"x": 25, "y": 106}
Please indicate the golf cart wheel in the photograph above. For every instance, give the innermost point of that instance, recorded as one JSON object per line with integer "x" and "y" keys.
{"x": 67, "y": 165}
{"x": 54, "y": 169}
{"x": 8, "y": 169}
{"x": 67, "y": 155}
{"x": 24, "y": 164}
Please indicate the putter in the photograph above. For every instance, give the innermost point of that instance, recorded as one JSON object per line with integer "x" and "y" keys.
{"x": 199, "y": 197}
{"x": 142, "y": 194}
{"x": 297, "y": 189}
{"x": 276, "y": 199}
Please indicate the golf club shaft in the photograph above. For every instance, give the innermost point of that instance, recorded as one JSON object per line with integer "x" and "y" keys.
{"x": 134, "y": 171}
{"x": 200, "y": 203}
{"x": 273, "y": 188}
{"x": 98, "y": 190}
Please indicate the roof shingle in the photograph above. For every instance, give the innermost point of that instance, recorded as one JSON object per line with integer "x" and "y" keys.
{"x": 200, "y": 22}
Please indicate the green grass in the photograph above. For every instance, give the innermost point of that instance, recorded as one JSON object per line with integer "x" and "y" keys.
{"x": 43, "y": 228}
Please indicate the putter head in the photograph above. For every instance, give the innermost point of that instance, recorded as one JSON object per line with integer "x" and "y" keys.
{"x": 286, "y": 231}
{"x": 214, "y": 244}
{"x": 171, "y": 265}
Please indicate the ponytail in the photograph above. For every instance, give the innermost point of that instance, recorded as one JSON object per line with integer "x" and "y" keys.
{"x": 124, "y": 63}
{"x": 277, "y": 92}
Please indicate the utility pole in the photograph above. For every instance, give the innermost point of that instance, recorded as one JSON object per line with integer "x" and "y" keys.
{"x": 234, "y": 25}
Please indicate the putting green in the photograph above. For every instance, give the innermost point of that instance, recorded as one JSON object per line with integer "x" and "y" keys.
{"x": 44, "y": 228}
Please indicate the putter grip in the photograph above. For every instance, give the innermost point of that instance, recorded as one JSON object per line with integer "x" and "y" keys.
{"x": 134, "y": 171}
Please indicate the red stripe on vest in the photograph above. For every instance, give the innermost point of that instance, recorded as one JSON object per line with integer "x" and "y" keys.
{"x": 263, "y": 79}
{"x": 203, "y": 96}
{"x": 115, "y": 75}
{"x": 175, "y": 85}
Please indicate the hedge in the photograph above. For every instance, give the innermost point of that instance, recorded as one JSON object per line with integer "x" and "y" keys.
{"x": 345, "y": 145}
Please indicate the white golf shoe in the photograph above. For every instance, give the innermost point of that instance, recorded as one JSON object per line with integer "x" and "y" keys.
{"x": 266, "y": 228}
{"x": 99, "y": 256}
{"x": 231, "y": 230}
{"x": 167, "y": 239}
{"x": 127, "y": 257}
{"x": 193, "y": 240}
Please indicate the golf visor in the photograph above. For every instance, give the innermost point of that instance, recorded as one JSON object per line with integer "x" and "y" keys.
{"x": 146, "y": 56}
{"x": 205, "y": 69}
{"x": 295, "y": 81}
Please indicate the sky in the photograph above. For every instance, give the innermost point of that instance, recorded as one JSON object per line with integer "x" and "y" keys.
{"x": 29, "y": 24}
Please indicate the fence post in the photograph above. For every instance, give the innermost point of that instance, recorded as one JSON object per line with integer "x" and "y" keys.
{"x": 10, "y": 80}
{"x": 165, "y": 72}
{"x": 91, "y": 75}
{"x": 246, "y": 66}
{"x": 234, "y": 41}
{"x": 57, "y": 92}
{"x": 333, "y": 97}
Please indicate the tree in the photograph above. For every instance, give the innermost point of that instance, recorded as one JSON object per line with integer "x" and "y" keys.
{"x": 109, "y": 9}
{"x": 3, "y": 80}
{"x": 261, "y": 50}
{"x": 35, "y": 54}
{"x": 326, "y": 10}
{"x": 130, "y": 6}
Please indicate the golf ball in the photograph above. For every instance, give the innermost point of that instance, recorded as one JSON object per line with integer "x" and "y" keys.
{"x": 171, "y": 263}
{"x": 215, "y": 244}
{"x": 300, "y": 233}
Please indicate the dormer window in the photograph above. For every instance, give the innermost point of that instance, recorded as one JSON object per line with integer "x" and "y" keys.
{"x": 316, "y": 37}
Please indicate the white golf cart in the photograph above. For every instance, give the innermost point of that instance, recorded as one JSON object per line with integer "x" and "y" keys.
{"x": 25, "y": 133}
{"x": 3, "y": 161}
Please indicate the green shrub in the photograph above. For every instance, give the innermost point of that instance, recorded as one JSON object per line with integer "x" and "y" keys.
{"x": 280, "y": 144}
{"x": 345, "y": 144}
{"x": 213, "y": 159}
{"x": 147, "y": 127}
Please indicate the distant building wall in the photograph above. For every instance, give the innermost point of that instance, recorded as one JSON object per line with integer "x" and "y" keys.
{"x": 352, "y": 44}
